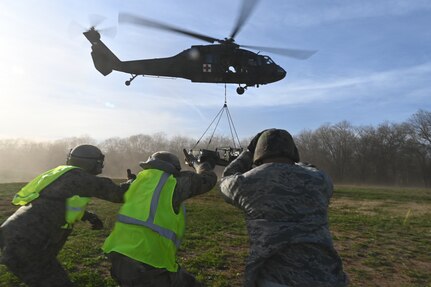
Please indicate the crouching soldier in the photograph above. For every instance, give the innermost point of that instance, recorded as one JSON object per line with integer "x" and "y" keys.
{"x": 286, "y": 211}
{"x": 151, "y": 223}
{"x": 32, "y": 237}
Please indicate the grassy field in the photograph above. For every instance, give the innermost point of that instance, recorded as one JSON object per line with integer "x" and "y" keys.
{"x": 382, "y": 234}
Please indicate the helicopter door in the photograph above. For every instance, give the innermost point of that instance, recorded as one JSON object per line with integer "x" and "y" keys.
{"x": 252, "y": 65}
{"x": 252, "y": 62}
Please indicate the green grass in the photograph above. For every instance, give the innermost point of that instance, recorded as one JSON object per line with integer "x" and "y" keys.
{"x": 384, "y": 193}
{"x": 382, "y": 234}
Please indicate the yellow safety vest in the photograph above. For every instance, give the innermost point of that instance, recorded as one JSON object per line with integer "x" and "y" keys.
{"x": 147, "y": 229}
{"x": 75, "y": 205}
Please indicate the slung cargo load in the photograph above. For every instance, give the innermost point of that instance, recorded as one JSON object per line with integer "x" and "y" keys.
{"x": 220, "y": 155}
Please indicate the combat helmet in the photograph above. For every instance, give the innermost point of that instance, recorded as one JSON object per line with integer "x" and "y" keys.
{"x": 275, "y": 143}
{"x": 87, "y": 157}
{"x": 166, "y": 157}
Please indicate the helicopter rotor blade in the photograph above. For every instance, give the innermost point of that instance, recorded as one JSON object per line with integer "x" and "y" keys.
{"x": 96, "y": 20}
{"x": 140, "y": 21}
{"x": 75, "y": 29}
{"x": 292, "y": 53}
{"x": 109, "y": 31}
{"x": 245, "y": 12}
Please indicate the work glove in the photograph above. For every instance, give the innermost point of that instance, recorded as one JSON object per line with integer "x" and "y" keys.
{"x": 93, "y": 219}
{"x": 252, "y": 145}
{"x": 189, "y": 159}
{"x": 130, "y": 176}
{"x": 208, "y": 159}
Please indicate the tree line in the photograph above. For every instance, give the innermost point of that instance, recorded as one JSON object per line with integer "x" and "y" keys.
{"x": 388, "y": 154}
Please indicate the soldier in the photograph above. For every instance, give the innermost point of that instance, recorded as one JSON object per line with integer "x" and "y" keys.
{"x": 286, "y": 210}
{"x": 50, "y": 204}
{"x": 151, "y": 223}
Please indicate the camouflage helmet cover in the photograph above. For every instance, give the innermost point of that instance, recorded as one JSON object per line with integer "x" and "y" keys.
{"x": 167, "y": 157}
{"x": 87, "y": 157}
{"x": 275, "y": 143}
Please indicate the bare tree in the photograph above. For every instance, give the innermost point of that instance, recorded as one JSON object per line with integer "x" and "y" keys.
{"x": 337, "y": 144}
{"x": 420, "y": 131}
{"x": 420, "y": 123}
{"x": 310, "y": 149}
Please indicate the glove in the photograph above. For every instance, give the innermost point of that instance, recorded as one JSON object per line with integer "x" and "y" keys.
{"x": 189, "y": 159}
{"x": 252, "y": 145}
{"x": 93, "y": 219}
{"x": 130, "y": 176}
{"x": 208, "y": 159}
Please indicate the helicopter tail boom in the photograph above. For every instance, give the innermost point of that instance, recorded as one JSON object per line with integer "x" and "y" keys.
{"x": 104, "y": 60}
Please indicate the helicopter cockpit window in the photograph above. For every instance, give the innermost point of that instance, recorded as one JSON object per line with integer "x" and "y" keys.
{"x": 252, "y": 62}
{"x": 268, "y": 60}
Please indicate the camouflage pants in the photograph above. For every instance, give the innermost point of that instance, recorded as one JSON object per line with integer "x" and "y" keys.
{"x": 130, "y": 273}
{"x": 33, "y": 265}
{"x": 1, "y": 246}
{"x": 265, "y": 283}
{"x": 47, "y": 272}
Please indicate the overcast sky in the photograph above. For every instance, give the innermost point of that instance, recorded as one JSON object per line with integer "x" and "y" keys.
{"x": 373, "y": 65}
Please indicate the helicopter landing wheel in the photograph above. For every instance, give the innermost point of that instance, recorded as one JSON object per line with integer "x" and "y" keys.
{"x": 240, "y": 90}
{"x": 130, "y": 80}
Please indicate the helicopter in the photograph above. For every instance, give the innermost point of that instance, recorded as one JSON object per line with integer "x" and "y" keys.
{"x": 223, "y": 61}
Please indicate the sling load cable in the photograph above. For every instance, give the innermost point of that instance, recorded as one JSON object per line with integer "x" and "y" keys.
{"x": 218, "y": 118}
{"x": 229, "y": 152}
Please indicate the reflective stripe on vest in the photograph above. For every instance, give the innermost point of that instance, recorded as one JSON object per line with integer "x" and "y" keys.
{"x": 75, "y": 209}
{"x": 149, "y": 223}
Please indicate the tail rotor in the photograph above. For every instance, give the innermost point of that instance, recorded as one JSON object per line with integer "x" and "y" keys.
{"x": 95, "y": 22}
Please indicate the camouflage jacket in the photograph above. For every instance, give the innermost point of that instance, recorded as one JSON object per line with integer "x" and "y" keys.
{"x": 36, "y": 227}
{"x": 286, "y": 210}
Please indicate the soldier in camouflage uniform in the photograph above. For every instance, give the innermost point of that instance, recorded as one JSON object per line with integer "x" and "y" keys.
{"x": 32, "y": 237}
{"x": 286, "y": 209}
{"x": 141, "y": 253}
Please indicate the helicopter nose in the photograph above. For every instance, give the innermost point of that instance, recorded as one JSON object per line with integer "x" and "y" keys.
{"x": 281, "y": 73}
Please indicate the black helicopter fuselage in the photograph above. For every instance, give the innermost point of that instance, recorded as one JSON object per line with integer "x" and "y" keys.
{"x": 217, "y": 63}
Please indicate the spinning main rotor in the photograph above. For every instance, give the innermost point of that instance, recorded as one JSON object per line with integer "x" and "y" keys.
{"x": 246, "y": 9}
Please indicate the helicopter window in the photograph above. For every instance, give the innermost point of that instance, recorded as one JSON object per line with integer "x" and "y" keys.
{"x": 268, "y": 60}
{"x": 209, "y": 58}
{"x": 252, "y": 62}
